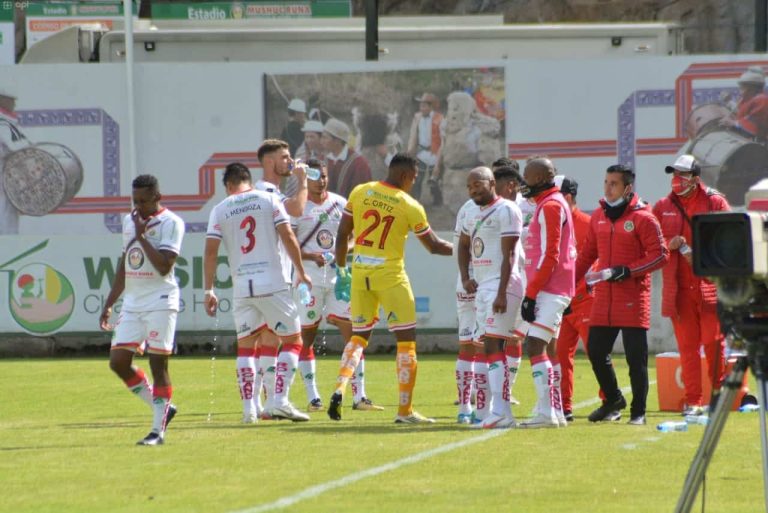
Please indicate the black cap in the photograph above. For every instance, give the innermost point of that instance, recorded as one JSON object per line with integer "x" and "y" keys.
{"x": 569, "y": 186}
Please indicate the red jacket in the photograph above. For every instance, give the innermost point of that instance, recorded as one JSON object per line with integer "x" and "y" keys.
{"x": 678, "y": 273}
{"x": 345, "y": 176}
{"x": 633, "y": 240}
{"x": 581, "y": 223}
{"x": 753, "y": 115}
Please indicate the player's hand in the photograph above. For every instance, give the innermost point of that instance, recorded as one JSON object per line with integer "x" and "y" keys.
{"x": 300, "y": 171}
{"x": 211, "y": 303}
{"x": 139, "y": 224}
{"x": 675, "y": 242}
{"x": 470, "y": 286}
{"x": 619, "y": 273}
{"x": 104, "y": 319}
{"x": 500, "y": 303}
{"x": 343, "y": 284}
{"x": 318, "y": 259}
{"x": 528, "y": 309}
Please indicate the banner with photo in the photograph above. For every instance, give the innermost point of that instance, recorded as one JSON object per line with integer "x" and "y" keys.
{"x": 451, "y": 119}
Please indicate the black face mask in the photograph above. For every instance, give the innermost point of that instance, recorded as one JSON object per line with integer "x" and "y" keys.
{"x": 529, "y": 191}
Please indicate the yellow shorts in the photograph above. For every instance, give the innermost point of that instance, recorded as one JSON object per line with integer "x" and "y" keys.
{"x": 397, "y": 302}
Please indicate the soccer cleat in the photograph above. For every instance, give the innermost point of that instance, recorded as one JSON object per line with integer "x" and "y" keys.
{"x": 266, "y": 415}
{"x": 250, "y": 418}
{"x": 334, "y": 407}
{"x": 366, "y": 404}
{"x": 151, "y": 439}
{"x": 693, "y": 410}
{"x": 315, "y": 405}
{"x": 561, "y": 418}
{"x": 637, "y": 421}
{"x": 498, "y": 422}
{"x": 414, "y": 418}
{"x": 608, "y": 411}
{"x": 464, "y": 418}
{"x": 568, "y": 414}
{"x": 288, "y": 411}
{"x": 169, "y": 415}
{"x": 540, "y": 421}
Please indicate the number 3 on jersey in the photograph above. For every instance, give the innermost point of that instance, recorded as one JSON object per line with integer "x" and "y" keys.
{"x": 249, "y": 225}
{"x": 377, "y": 220}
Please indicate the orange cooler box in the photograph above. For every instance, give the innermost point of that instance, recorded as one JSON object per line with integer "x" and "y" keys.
{"x": 669, "y": 381}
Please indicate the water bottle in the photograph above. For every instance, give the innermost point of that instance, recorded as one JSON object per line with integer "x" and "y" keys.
{"x": 671, "y": 425}
{"x": 702, "y": 420}
{"x": 305, "y": 296}
{"x": 313, "y": 173}
{"x": 328, "y": 257}
{"x": 747, "y": 408}
{"x": 597, "y": 276}
{"x": 684, "y": 249}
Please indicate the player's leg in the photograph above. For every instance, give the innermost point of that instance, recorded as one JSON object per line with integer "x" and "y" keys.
{"x": 128, "y": 335}
{"x": 555, "y": 380}
{"x": 686, "y": 326}
{"x": 567, "y": 342}
{"x": 400, "y": 309}
{"x": 636, "y": 353}
{"x": 282, "y": 317}
{"x": 310, "y": 316}
{"x": 601, "y": 340}
{"x": 250, "y": 323}
{"x": 269, "y": 345}
{"x": 513, "y": 350}
{"x": 161, "y": 326}
{"x": 464, "y": 368}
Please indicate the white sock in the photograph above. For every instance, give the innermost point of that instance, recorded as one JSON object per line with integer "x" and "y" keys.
{"x": 285, "y": 370}
{"x": 143, "y": 389}
{"x": 557, "y": 401}
{"x": 542, "y": 371}
{"x": 513, "y": 364}
{"x": 464, "y": 378}
{"x": 267, "y": 365}
{"x": 482, "y": 391}
{"x": 159, "y": 409}
{"x": 246, "y": 374}
{"x": 357, "y": 381}
{"x": 498, "y": 382}
{"x": 308, "y": 370}
{"x": 258, "y": 385}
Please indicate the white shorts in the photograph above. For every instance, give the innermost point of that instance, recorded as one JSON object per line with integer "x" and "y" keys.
{"x": 276, "y": 312}
{"x": 155, "y": 328}
{"x": 323, "y": 305}
{"x": 465, "y": 310}
{"x": 549, "y": 317}
{"x": 498, "y": 325}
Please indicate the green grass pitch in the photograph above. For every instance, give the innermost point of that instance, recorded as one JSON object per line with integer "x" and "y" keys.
{"x": 68, "y": 429}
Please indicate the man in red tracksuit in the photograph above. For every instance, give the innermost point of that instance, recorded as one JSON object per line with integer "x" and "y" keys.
{"x": 626, "y": 238}
{"x": 689, "y": 300}
{"x": 576, "y": 323}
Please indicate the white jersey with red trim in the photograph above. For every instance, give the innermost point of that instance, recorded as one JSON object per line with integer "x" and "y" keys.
{"x": 146, "y": 289}
{"x": 247, "y": 224}
{"x": 263, "y": 185}
{"x": 486, "y": 226}
{"x": 460, "y": 217}
{"x": 316, "y": 229}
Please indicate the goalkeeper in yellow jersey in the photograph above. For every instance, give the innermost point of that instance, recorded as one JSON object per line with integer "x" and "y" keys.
{"x": 380, "y": 214}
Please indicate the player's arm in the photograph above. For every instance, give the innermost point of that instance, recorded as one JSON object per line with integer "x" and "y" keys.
{"x": 469, "y": 284}
{"x": 551, "y": 225}
{"x": 118, "y": 286}
{"x": 507, "y": 252}
{"x": 210, "y": 261}
{"x": 435, "y": 245}
{"x": 294, "y": 253}
{"x": 588, "y": 252}
{"x": 344, "y": 238}
{"x": 294, "y": 205}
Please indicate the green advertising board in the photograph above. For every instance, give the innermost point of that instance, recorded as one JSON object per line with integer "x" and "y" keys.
{"x": 65, "y": 9}
{"x": 216, "y": 11}
{"x": 6, "y": 11}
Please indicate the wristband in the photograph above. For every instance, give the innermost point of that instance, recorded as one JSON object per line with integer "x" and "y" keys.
{"x": 210, "y": 292}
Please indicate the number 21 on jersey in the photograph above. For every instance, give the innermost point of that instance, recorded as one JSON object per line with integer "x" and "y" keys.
{"x": 364, "y": 240}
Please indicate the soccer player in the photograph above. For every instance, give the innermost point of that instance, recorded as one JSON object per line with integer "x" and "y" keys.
{"x": 316, "y": 232}
{"x": 489, "y": 237}
{"x": 381, "y": 214}
{"x": 250, "y": 223}
{"x": 151, "y": 242}
{"x": 550, "y": 255}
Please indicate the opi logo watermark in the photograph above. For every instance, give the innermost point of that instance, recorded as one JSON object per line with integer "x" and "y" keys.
{"x": 8, "y": 5}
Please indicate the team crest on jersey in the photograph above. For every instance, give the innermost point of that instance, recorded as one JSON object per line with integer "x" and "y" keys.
{"x": 323, "y": 217}
{"x": 135, "y": 258}
{"x": 311, "y": 314}
{"x": 478, "y": 247}
{"x": 324, "y": 239}
{"x": 629, "y": 226}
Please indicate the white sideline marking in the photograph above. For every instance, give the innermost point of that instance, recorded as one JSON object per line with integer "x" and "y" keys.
{"x": 314, "y": 491}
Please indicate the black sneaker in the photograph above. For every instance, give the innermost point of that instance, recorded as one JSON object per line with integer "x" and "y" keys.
{"x": 568, "y": 414}
{"x": 151, "y": 439}
{"x": 608, "y": 411}
{"x": 169, "y": 415}
{"x": 334, "y": 408}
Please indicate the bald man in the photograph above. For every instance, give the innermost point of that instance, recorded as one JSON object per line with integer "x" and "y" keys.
{"x": 489, "y": 239}
{"x": 550, "y": 257}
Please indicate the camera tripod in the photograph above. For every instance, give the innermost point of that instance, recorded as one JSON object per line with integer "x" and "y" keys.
{"x": 757, "y": 359}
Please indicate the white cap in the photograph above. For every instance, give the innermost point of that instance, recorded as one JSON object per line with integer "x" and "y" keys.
{"x": 338, "y": 129}
{"x": 312, "y": 126}
{"x": 753, "y": 75}
{"x": 684, "y": 163}
{"x": 297, "y": 105}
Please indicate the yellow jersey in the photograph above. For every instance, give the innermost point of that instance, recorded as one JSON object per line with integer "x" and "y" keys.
{"x": 382, "y": 216}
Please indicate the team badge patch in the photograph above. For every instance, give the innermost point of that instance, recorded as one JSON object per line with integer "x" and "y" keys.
{"x": 629, "y": 226}
{"x": 478, "y": 247}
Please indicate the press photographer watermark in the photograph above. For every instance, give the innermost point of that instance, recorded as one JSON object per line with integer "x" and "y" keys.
{"x": 8, "y": 4}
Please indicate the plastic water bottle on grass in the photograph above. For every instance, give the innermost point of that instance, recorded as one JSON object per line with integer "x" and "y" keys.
{"x": 747, "y": 408}
{"x": 671, "y": 425}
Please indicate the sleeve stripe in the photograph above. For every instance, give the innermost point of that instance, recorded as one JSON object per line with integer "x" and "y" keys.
{"x": 423, "y": 232}
{"x": 213, "y": 236}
